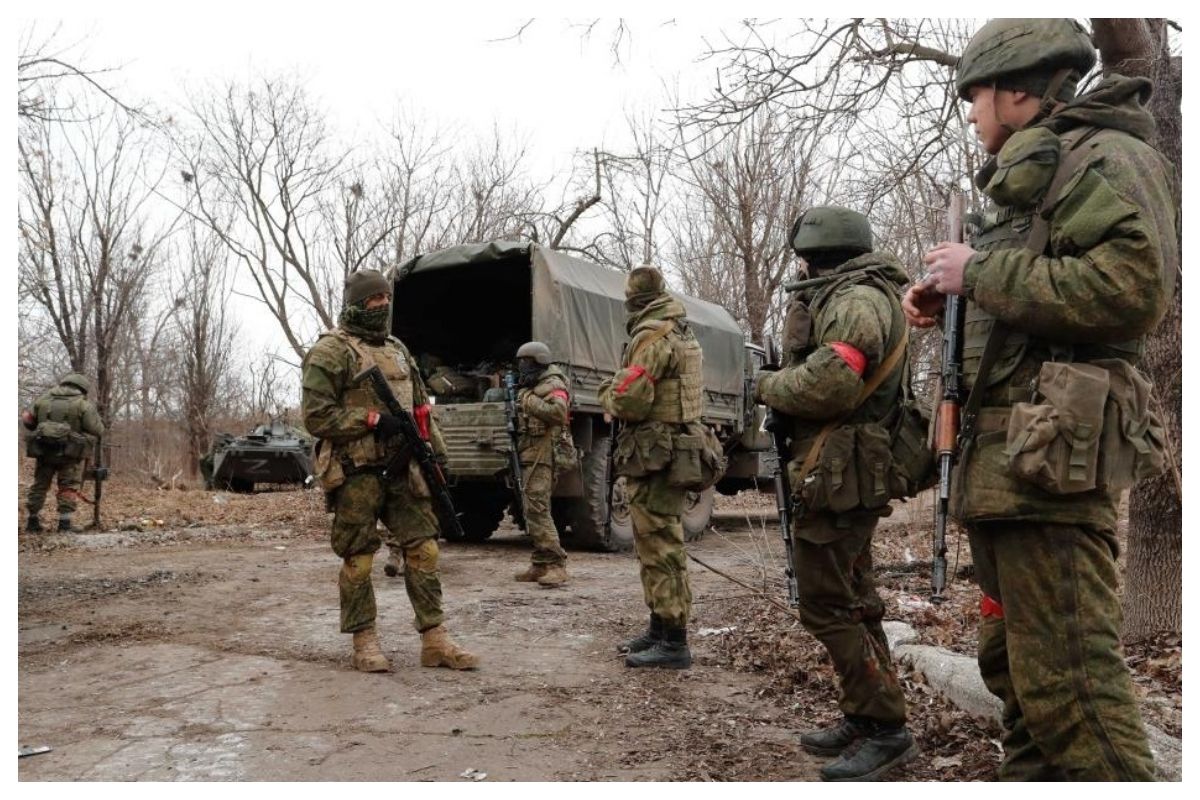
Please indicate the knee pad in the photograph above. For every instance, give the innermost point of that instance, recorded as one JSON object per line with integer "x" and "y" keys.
{"x": 358, "y": 568}
{"x": 422, "y": 555}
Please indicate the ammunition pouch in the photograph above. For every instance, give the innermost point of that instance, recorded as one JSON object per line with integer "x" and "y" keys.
{"x": 643, "y": 449}
{"x": 698, "y": 460}
{"x": 1094, "y": 430}
{"x": 56, "y": 440}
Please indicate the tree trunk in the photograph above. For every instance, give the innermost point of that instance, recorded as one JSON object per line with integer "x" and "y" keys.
{"x": 1154, "y": 568}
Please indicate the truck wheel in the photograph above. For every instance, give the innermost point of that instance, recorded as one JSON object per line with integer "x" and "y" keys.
{"x": 590, "y": 513}
{"x": 479, "y": 513}
{"x": 241, "y": 485}
{"x": 697, "y": 510}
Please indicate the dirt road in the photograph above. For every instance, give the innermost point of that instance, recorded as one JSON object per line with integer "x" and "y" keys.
{"x": 214, "y": 654}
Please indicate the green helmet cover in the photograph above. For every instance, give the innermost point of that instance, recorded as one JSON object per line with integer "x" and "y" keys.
{"x": 1030, "y": 50}
{"x": 831, "y": 228}
{"x": 78, "y": 381}
{"x": 538, "y": 351}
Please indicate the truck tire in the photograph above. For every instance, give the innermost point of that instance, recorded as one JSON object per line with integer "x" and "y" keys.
{"x": 479, "y": 513}
{"x": 589, "y": 514}
{"x": 697, "y": 511}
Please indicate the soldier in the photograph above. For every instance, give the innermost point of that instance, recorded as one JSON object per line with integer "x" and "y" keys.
{"x": 845, "y": 344}
{"x": 543, "y": 410}
{"x": 357, "y": 440}
{"x": 1070, "y": 270}
{"x": 656, "y": 392}
{"x": 61, "y": 421}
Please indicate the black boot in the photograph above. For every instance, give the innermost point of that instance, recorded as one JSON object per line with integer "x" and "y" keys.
{"x": 884, "y": 750}
{"x": 833, "y": 740}
{"x": 647, "y": 640}
{"x": 670, "y": 652}
{"x": 64, "y": 525}
{"x": 33, "y": 525}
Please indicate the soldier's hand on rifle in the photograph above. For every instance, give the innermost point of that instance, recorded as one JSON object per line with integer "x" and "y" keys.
{"x": 385, "y": 425}
{"x": 947, "y": 262}
{"x": 922, "y": 304}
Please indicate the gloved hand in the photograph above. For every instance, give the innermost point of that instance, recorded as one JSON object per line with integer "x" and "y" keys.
{"x": 387, "y": 426}
{"x": 28, "y": 420}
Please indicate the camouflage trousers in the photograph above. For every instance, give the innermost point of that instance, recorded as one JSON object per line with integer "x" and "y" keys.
{"x": 539, "y": 483}
{"x": 656, "y": 510}
{"x": 411, "y": 525}
{"x": 840, "y": 607}
{"x": 68, "y": 478}
{"x": 1049, "y": 647}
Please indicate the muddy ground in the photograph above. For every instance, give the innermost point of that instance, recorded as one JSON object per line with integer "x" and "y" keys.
{"x": 196, "y": 639}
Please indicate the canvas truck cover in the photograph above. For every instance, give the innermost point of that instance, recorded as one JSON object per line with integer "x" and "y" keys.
{"x": 579, "y": 311}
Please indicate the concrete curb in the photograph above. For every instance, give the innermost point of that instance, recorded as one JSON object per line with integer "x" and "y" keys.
{"x": 956, "y": 677}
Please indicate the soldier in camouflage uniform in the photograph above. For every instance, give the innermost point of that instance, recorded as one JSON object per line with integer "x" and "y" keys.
{"x": 543, "y": 409}
{"x": 1072, "y": 267}
{"x": 61, "y": 421}
{"x": 356, "y": 441}
{"x": 656, "y": 392}
{"x": 840, "y": 333}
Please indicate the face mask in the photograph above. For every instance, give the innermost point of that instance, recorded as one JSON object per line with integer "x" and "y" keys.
{"x": 374, "y": 321}
{"x": 528, "y": 371}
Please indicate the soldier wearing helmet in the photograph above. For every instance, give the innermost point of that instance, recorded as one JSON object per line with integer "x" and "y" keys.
{"x": 844, "y": 333}
{"x": 357, "y": 438}
{"x": 60, "y": 424}
{"x": 1072, "y": 267}
{"x": 543, "y": 411}
{"x": 657, "y": 393}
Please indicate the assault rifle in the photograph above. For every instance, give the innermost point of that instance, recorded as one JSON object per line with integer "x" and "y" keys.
{"x": 514, "y": 435}
{"x": 98, "y": 473}
{"x": 946, "y": 426}
{"x": 776, "y": 424}
{"x": 420, "y": 449}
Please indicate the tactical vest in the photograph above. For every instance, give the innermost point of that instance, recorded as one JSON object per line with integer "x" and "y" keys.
{"x": 392, "y": 360}
{"x": 533, "y": 428}
{"x": 1020, "y": 358}
{"x": 63, "y": 410}
{"x": 679, "y": 396}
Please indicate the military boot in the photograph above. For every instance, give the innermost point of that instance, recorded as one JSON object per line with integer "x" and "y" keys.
{"x": 394, "y": 566}
{"x": 833, "y": 740}
{"x": 532, "y": 574}
{"x": 647, "y": 640}
{"x": 439, "y": 650}
{"x": 555, "y": 575}
{"x": 670, "y": 652}
{"x": 368, "y": 657}
{"x": 883, "y": 750}
{"x": 65, "y": 526}
{"x": 33, "y": 524}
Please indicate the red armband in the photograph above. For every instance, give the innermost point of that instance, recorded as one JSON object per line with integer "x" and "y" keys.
{"x": 562, "y": 393}
{"x": 853, "y": 357}
{"x": 635, "y": 371}
{"x": 990, "y": 607}
{"x": 421, "y": 415}
{"x": 372, "y": 419}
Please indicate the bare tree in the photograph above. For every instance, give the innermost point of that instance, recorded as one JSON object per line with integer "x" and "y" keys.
{"x": 45, "y": 67}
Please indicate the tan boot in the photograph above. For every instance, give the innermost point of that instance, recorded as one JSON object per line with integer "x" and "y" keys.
{"x": 555, "y": 575}
{"x": 532, "y": 574}
{"x": 438, "y": 650}
{"x": 368, "y": 657}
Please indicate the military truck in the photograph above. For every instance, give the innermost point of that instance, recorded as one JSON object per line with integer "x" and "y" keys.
{"x": 463, "y": 312}
{"x": 270, "y": 453}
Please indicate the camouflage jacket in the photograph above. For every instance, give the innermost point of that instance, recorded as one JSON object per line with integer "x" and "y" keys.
{"x": 70, "y": 405}
{"x": 325, "y": 380}
{"x": 542, "y": 411}
{"x": 1101, "y": 283}
{"x": 859, "y": 309}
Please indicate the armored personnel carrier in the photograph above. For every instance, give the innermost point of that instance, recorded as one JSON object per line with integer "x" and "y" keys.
{"x": 271, "y": 453}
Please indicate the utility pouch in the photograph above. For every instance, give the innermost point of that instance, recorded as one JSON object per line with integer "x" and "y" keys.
{"x": 698, "y": 460}
{"x": 873, "y": 462}
{"x": 1056, "y": 444}
{"x": 566, "y": 457}
{"x": 327, "y": 469}
{"x": 1133, "y": 441}
{"x": 833, "y": 483}
{"x": 642, "y": 450}
{"x": 914, "y": 466}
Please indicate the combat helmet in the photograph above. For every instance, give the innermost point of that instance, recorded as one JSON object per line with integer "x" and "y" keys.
{"x": 537, "y": 351}
{"x": 78, "y": 381}
{"x": 831, "y": 228}
{"x": 1024, "y": 54}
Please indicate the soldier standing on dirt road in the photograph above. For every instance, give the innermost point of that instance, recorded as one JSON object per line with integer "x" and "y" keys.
{"x": 356, "y": 441}
{"x": 657, "y": 390}
{"x": 61, "y": 422}
{"x": 1071, "y": 269}
{"x": 543, "y": 410}
{"x": 838, "y": 336}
